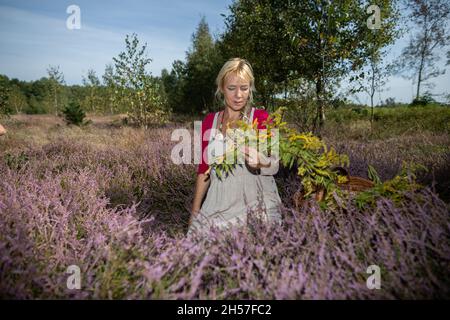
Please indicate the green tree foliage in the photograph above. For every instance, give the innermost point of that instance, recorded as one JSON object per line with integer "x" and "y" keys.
{"x": 17, "y": 99}
{"x": 39, "y": 96}
{"x": 373, "y": 76}
{"x": 136, "y": 87}
{"x": 74, "y": 114}
{"x": 191, "y": 85}
{"x": 418, "y": 59}
{"x": 112, "y": 99}
{"x": 175, "y": 86}
{"x": 317, "y": 40}
{"x": 423, "y": 100}
{"x": 93, "y": 98}
{"x": 56, "y": 79}
{"x": 4, "y": 97}
{"x": 202, "y": 67}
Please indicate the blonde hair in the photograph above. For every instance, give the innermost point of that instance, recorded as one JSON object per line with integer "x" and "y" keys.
{"x": 242, "y": 69}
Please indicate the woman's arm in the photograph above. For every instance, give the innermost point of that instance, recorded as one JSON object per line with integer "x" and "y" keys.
{"x": 201, "y": 187}
{"x": 267, "y": 166}
{"x": 271, "y": 165}
{"x": 203, "y": 181}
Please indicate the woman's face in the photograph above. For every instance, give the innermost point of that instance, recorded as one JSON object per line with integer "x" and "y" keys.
{"x": 236, "y": 92}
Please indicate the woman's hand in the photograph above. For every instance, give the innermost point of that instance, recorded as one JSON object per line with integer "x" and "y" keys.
{"x": 256, "y": 160}
{"x": 194, "y": 212}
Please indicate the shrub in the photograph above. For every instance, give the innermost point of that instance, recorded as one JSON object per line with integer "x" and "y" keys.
{"x": 73, "y": 113}
{"x": 75, "y": 202}
{"x": 423, "y": 100}
{"x": 34, "y": 108}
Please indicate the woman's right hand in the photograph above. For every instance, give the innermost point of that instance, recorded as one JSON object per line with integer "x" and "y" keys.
{"x": 201, "y": 187}
{"x": 194, "y": 212}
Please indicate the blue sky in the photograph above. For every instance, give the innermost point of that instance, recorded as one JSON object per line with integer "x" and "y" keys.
{"x": 33, "y": 35}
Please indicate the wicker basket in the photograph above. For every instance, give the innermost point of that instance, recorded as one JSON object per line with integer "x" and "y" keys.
{"x": 354, "y": 184}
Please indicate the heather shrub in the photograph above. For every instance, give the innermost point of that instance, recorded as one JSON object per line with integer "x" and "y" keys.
{"x": 111, "y": 202}
{"x": 313, "y": 254}
{"x": 386, "y": 156}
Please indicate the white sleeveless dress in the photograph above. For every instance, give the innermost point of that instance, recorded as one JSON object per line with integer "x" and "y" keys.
{"x": 229, "y": 199}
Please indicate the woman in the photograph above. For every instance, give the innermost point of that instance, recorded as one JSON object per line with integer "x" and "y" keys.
{"x": 250, "y": 186}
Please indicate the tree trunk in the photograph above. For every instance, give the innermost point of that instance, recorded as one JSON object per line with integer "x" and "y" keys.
{"x": 371, "y": 114}
{"x": 320, "y": 116}
{"x": 56, "y": 102}
{"x": 422, "y": 58}
{"x": 419, "y": 79}
{"x": 372, "y": 93}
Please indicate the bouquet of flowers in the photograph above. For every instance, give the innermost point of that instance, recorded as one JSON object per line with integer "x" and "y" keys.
{"x": 311, "y": 156}
{"x": 315, "y": 162}
{"x": 229, "y": 151}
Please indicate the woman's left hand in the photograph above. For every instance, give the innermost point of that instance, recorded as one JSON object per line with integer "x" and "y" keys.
{"x": 255, "y": 159}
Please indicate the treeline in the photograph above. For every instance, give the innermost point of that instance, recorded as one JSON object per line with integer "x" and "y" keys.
{"x": 300, "y": 52}
{"x": 39, "y": 97}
